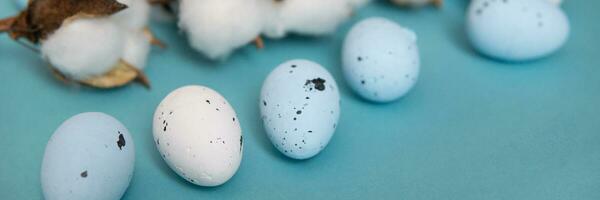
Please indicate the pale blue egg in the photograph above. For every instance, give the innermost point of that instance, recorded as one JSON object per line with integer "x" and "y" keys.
{"x": 516, "y": 30}
{"x": 90, "y": 156}
{"x": 21, "y": 4}
{"x": 380, "y": 59}
{"x": 300, "y": 108}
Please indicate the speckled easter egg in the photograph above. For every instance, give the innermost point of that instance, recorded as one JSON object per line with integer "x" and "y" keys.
{"x": 198, "y": 134}
{"x": 380, "y": 59}
{"x": 516, "y": 30}
{"x": 300, "y": 108}
{"x": 90, "y": 156}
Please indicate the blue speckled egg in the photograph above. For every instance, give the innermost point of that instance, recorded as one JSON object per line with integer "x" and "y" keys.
{"x": 516, "y": 30}
{"x": 300, "y": 108}
{"x": 380, "y": 59}
{"x": 90, "y": 156}
{"x": 21, "y": 4}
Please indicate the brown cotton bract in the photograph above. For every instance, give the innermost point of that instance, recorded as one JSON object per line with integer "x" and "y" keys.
{"x": 42, "y": 17}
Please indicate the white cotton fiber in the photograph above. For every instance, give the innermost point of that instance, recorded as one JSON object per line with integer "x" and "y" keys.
{"x": 137, "y": 48}
{"x": 84, "y": 47}
{"x": 217, "y": 27}
{"x": 136, "y": 15}
{"x": 314, "y": 17}
{"x": 273, "y": 26}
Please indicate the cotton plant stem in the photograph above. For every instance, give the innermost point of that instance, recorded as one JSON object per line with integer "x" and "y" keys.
{"x": 6, "y": 24}
{"x": 260, "y": 44}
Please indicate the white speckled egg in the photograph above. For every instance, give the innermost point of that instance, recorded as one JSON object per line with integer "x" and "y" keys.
{"x": 516, "y": 30}
{"x": 380, "y": 59}
{"x": 90, "y": 156}
{"x": 300, "y": 108}
{"x": 198, "y": 134}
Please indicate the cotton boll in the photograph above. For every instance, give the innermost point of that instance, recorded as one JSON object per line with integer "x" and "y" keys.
{"x": 137, "y": 47}
{"x": 217, "y": 27}
{"x": 84, "y": 47}
{"x": 135, "y": 16}
{"x": 314, "y": 17}
{"x": 273, "y": 26}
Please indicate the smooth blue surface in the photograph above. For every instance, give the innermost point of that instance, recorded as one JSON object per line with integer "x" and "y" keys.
{"x": 472, "y": 128}
{"x": 89, "y": 155}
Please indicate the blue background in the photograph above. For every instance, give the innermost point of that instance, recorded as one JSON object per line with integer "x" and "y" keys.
{"x": 472, "y": 128}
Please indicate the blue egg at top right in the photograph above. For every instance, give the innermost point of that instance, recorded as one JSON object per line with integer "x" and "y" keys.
{"x": 516, "y": 30}
{"x": 380, "y": 59}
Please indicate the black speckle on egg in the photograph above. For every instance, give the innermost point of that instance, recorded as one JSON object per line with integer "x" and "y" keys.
{"x": 307, "y": 97}
{"x": 298, "y": 112}
{"x": 121, "y": 141}
{"x": 362, "y": 82}
{"x": 208, "y": 101}
{"x": 234, "y": 119}
{"x": 295, "y": 119}
{"x": 310, "y": 131}
{"x": 264, "y": 103}
{"x": 319, "y": 84}
{"x": 293, "y": 66}
{"x": 157, "y": 141}
{"x": 359, "y": 59}
{"x": 84, "y": 174}
{"x": 217, "y": 109}
{"x": 241, "y": 142}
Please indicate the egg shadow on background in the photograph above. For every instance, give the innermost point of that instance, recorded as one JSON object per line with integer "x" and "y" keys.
{"x": 458, "y": 28}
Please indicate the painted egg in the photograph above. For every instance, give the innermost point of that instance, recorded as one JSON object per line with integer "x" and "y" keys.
{"x": 380, "y": 59}
{"x": 300, "y": 108}
{"x": 512, "y": 30}
{"x": 198, "y": 134}
{"x": 90, "y": 156}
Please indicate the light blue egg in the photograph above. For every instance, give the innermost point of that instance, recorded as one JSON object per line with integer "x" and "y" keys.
{"x": 21, "y": 4}
{"x": 516, "y": 30}
{"x": 380, "y": 59}
{"x": 300, "y": 108}
{"x": 90, "y": 156}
